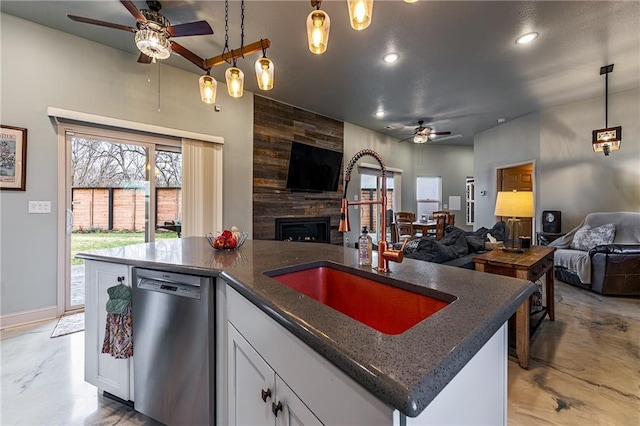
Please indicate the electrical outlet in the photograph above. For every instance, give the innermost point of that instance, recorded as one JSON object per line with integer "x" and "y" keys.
{"x": 39, "y": 207}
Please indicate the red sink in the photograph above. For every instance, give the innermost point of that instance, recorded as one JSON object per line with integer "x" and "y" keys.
{"x": 384, "y": 307}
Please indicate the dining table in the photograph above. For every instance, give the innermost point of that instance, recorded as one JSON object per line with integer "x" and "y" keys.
{"x": 422, "y": 226}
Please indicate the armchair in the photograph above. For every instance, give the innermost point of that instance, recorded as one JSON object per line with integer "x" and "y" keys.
{"x": 611, "y": 268}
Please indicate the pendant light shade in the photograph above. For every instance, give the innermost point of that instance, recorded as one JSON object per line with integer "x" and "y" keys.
{"x": 208, "y": 88}
{"x": 264, "y": 73}
{"x": 360, "y": 12}
{"x": 235, "y": 81}
{"x": 318, "y": 31}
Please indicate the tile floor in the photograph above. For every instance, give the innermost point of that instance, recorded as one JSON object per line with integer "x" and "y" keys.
{"x": 584, "y": 370}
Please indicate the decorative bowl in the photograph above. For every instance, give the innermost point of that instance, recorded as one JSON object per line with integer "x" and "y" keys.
{"x": 211, "y": 238}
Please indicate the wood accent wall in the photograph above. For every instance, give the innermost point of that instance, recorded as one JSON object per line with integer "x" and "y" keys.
{"x": 275, "y": 127}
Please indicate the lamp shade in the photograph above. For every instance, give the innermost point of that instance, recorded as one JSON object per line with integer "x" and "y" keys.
{"x": 208, "y": 87}
{"x": 318, "y": 24}
{"x": 606, "y": 140}
{"x": 235, "y": 81}
{"x": 514, "y": 204}
{"x": 360, "y": 13}
{"x": 264, "y": 73}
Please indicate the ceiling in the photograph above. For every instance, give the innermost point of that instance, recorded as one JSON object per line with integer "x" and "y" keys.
{"x": 459, "y": 68}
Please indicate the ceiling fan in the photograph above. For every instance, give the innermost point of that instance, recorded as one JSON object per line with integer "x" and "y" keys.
{"x": 153, "y": 31}
{"x": 422, "y": 133}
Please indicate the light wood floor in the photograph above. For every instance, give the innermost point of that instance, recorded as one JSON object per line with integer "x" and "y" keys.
{"x": 584, "y": 367}
{"x": 585, "y": 370}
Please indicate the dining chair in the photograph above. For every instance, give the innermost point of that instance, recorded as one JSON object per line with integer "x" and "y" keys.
{"x": 441, "y": 224}
{"x": 404, "y": 230}
{"x": 405, "y": 217}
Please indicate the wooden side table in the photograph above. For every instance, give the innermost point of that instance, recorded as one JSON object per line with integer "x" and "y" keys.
{"x": 530, "y": 265}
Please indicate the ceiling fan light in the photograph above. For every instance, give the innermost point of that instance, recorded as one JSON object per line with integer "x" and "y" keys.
{"x": 235, "y": 82}
{"x": 264, "y": 73}
{"x": 208, "y": 89}
{"x": 360, "y": 12}
{"x": 318, "y": 24}
{"x": 420, "y": 138}
{"x": 153, "y": 43}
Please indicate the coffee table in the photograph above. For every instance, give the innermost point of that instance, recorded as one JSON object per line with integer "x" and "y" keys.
{"x": 530, "y": 265}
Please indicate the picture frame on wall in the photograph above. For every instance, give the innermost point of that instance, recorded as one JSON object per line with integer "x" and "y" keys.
{"x": 13, "y": 158}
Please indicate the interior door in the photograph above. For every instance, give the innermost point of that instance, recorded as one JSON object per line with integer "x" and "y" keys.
{"x": 519, "y": 178}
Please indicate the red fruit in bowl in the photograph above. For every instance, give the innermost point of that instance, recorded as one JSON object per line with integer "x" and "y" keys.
{"x": 226, "y": 234}
{"x": 219, "y": 242}
{"x": 230, "y": 242}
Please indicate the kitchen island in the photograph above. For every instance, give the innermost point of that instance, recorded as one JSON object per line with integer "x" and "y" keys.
{"x": 404, "y": 372}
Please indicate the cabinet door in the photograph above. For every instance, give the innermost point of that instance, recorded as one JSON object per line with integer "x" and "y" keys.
{"x": 250, "y": 379}
{"x": 102, "y": 370}
{"x": 294, "y": 412}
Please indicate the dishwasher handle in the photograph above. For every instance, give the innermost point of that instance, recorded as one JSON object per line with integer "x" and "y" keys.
{"x": 171, "y": 288}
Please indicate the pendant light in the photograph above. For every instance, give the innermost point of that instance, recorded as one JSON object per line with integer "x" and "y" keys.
{"x": 208, "y": 88}
{"x": 360, "y": 12}
{"x": 607, "y": 139}
{"x": 264, "y": 71}
{"x": 318, "y": 23}
{"x": 235, "y": 81}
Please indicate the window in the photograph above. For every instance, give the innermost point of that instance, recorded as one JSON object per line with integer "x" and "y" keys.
{"x": 429, "y": 195}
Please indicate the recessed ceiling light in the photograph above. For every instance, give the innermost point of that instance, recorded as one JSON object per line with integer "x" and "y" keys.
{"x": 380, "y": 113}
{"x": 391, "y": 57}
{"x": 527, "y": 38}
{"x": 501, "y": 120}
{"x": 410, "y": 1}
{"x": 389, "y": 127}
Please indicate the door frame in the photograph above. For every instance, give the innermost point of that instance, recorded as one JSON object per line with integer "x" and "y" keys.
{"x": 64, "y": 178}
{"x": 496, "y": 179}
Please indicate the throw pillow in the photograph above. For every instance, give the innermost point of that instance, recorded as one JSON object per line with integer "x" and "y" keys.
{"x": 586, "y": 238}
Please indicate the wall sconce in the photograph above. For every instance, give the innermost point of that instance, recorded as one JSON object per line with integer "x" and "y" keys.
{"x": 360, "y": 12}
{"x": 607, "y": 139}
{"x": 208, "y": 88}
{"x": 318, "y": 24}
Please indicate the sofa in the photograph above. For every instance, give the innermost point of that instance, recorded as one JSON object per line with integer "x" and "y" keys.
{"x": 601, "y": 254}
{"x": 456, "y": 248}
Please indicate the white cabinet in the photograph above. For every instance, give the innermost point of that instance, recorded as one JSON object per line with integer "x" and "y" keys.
{"x": 257, "y": 395}
{"x": 102, "y": 370}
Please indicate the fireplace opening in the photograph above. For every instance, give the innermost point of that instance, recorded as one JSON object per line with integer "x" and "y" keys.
{"x": 307, "y": 229}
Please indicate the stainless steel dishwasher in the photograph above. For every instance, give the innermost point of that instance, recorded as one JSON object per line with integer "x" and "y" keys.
{"x": 174, "y": 347}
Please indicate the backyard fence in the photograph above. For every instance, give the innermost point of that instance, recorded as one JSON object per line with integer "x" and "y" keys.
{"x": 121, "y": 209}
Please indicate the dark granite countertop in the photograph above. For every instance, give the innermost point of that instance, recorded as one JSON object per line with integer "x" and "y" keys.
{"x": 405, "y": 371}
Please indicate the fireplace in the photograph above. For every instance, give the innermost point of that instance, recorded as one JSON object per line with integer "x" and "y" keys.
{"x": 308, "y": 229}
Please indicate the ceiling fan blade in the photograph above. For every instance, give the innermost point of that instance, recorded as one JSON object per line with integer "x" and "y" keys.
{"x": 101, "y": 23}
{"x": 187, "y": 54}
{"x": 144, "y": 59}
{"x": 440, "y": 133}
{"x": 406, "y": 139}
{"x": 190, "y": 29}
{"x": 133, "y": 10}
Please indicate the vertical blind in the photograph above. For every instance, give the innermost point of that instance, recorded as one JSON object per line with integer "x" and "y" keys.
{"x": 201, "y": 187}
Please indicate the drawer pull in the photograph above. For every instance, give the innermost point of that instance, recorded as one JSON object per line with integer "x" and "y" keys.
{"x": 266, "y": 394}
{"x": 275, "y": 408}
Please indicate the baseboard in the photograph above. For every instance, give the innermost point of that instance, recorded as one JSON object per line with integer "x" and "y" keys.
{"x": 27, "y": 317}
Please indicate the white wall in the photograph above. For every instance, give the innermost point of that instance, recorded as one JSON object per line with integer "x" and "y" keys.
{"x": 574, "y": 179}
{"x": 569, "y": 176}
{"x": 42, "y": 67}
{"x": 452, "y": 163}
{"x": 511, "y": 143}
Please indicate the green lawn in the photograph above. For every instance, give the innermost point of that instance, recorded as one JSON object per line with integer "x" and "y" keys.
{"x": 83, "y": 242}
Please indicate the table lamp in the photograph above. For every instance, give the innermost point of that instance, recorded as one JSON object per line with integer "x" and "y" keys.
{"x": 514, "y": 204}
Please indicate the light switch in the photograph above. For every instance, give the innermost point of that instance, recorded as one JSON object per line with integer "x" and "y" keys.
{"x": 39, "y": 207}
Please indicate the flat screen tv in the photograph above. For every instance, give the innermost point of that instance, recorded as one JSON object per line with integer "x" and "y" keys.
{"x": 313, "y": 169}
